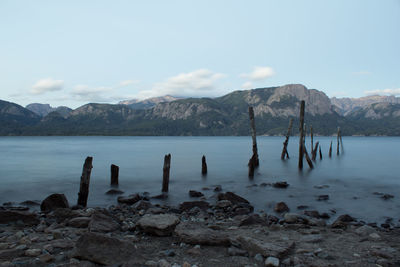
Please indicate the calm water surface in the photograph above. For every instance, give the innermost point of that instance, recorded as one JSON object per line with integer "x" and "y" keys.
{"x": 33, "y": 167}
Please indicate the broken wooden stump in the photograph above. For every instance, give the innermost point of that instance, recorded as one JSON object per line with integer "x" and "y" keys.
{"x": 301, "y": 139}
{"x": 312, "y": 140}
{"x": 114, "y": 174}
{"x": 330, "y": 150}
{"x": 203, "y": 165}
{"x": 85, "y": 180}
{"x": 253, "y": 136}
{"x": 166, "y": 168}
{"x": 315, "y": 150}
{"x": 320, "y": 153}
{"x": 308, "y": 158}
{"x": 252, "y": 166}
{"x": 285, "y": 144}
{"x": 338, "y": 138}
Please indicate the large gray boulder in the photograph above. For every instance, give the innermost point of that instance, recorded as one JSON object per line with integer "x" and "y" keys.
{"x": 104, "y": 250}
{"x": 263, "y": 247}
{"x": 100, "y": 222}
{"x": 53, "y": 202}
{"x": 8, "y": 216}
{"x": 160, "y": 224}
{"x": 197, "y": 234}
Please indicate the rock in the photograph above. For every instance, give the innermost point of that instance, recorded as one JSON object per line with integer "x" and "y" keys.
{"x": 130, "y": 200}
{"x": 8, "y": 216}
{"x": 114, "y": 192}
{"x": 312, "y": 214}
{"x": 291, "y": 217}
{"x": 197, "y": 234}
{"x": 163, "y": 263}
{"x": 271, "y": 219}
{"x": 322, "y": 186}
{"x": 218, "y": 188}
{"x": 103, "y": 249}
{"x": 100, "y": 222}
{"x": 79, "y": 222}
{"x": 364, "y": 230}
{"x": 9, "y": 254}
{"x": 311, "y": 238}
{"x": 142, "y": 205}
{"x": 265, "y": 248}
{"x": 54, "y": 202}
{"x": 160, "y": 225}
{"x": 30, "y": 203}
{"x": 161, "y": 196}
{"x": 193, "y": 193}
{"x": 223, "y": 204}
{"x": 271, "y": 262}
{"x": 323, "y": 197}
{"x": 61, "y": 214}
{"x": 342, "y": 221}
{"x": 281, "y": 207}
{"x": 374, "y": 236}
{"x": 258, "y": 257}
{"x": 302, "y": 207}
{"x": 46, "y": 258}
{"x": 234, "y": 251}
{"x": 188, "y": 205}
{"x": 253, "y": 219}
{"x": 280, "y": 185}
{"x": 33, "y": 252}
{"x": 232, "y": 197}
{"x": 387, "y": 196}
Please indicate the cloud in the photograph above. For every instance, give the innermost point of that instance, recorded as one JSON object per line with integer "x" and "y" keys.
{"x": 196, "y": 83}
{"x": 363, "y": 72}
{"x": 383, "y": 92}
{"x": 247, "y": 85}
{"x": 126, "y": 83}
{"x": 86, "y": 93}
{"x": 47, "y": 85}
{"x": 259, "y": 74}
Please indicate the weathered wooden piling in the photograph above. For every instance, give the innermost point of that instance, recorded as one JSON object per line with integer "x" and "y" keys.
{"x": 330, "y": 150}
{"x": 166, "y": 168}
{"x": 85, "y": 181}
{"x": 315, "y": 151}
{"x": 320, "y": 153}
{"x": 252, "y": 166}
{"x": 253, "y": 136}
{"x": 203, "y": 165}
{"x": 308, "y": 158}
{"x": 312, "y": 140}
{"x": 301, "y": 139}
{"x": 285, "y": 153}
{"x": 114, "y": 174}
{"x": 338, "y": 138}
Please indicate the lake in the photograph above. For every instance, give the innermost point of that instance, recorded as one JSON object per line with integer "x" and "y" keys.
{"x": 31, "y": 168}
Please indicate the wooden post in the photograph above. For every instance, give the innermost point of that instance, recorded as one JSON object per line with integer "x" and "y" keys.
{"x": 285, "y": 144}
{"x": 253, "y": 136}
{"x": 315, "y": 150}
{"x": 251, "y": 166}
{"x": 330, "y": 150}
{"x": 312, "y": 140}
{"x": 308, "y": 158}
{"x": 203, "y": 165}
{"x": 85, "y": 180}
{"x": 114, "y": 174}
{"x": 320, "y": 153}
{"x": 338, "y": 136}
{"x": 341, "y": 141}
{"x": 167, "y": 165}
{"x": 301, "y": 139}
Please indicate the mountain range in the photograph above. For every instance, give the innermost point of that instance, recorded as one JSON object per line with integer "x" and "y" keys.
{"x": 225, "y": 115}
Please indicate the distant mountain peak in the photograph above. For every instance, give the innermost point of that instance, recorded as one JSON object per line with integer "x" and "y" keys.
{"x": 149, "y": 102}
{"x": 44, "y": 109}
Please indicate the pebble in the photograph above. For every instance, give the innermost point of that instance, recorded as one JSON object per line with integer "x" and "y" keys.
{"x": 374, "y": 236}
{"x": 163, "y": 263}
{"x": 258, "y": 257}
{"x": 271, "y": 262}
{"x": 33, "y": 252}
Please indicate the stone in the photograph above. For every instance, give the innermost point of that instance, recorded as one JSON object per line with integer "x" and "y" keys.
{"x": 79, "y": 222}
{"x": 312, "y": 213}
{"x": 160, "y": 224}
{"x": 267, "y": 249}
{"x": 323, "y": 197}
{"x": 105, "y": 250}
{"x": 218, "y": 188}
{"x": 311, "y": 238}
{"x": 364, "y": 230}
{"x": 232, "y": 197}
{"x": 374, "y": 236}
{"x": 61, "y": 214}
{"x": 163, "y": 263}
{"x": 342, "y": 221}
{"x": 253, "y": 219}
{"x": 33, "y": 252}
{"x": 53, "y": 202}
{"x": 234, "y": 251}
{"x": 321, "y": 186}
{"x": 130, "y": 200}
{"x": 142, "y": 205}
{"x": 30, "y": 203}
{"x": 302, "y": 207}
{"x": 100, "y": 222}
{"x": 188, "y": 205}
{"x": 193, "y": 193}
{"x": 114, "y": 192}
{"x": 271, "y": 262}
{"x": 8, "y": 216}
{"x": 46, "y": 258}
{"x": 387, "y": 196}
{"x": 258, "y": 257}
{"x": 281, "y": 207}
{"x": 223, "y": 204}
{"x": 280, "y": 185}
{"x": 197, "y": 234}
{"x": 9, "y": 254}
{"x": 291, "y": 217}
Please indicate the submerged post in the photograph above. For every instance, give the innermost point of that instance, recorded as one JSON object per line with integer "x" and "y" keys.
{"x": 85, "y": 180}
{"x": 253, "y": 136}
{"x": 285, "y": 144}
{"x": 301, "y": 139}
{"x": 315, "y": 151}
{"x": 114, "y": 174}
{"x": 308, "y": 158}
{"x": 320, "y": 153}
{"x": 167, "y": 165}
{"x": 251, "y": 165}
{"x": 203, "y": 165}
{"x": 338, "y": 136}
{"x": 312, "y": 140}
{"x": 330, "y": 150}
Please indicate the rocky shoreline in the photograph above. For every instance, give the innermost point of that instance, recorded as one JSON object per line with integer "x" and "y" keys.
{"x": 223, "y": 231}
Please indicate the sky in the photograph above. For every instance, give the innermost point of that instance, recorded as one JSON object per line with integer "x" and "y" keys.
{"x": 74, "y": 52}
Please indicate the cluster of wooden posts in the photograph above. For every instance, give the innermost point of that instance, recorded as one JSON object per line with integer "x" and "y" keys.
{"x": 254, "y": 161}
{"x": 252, "y": 165}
